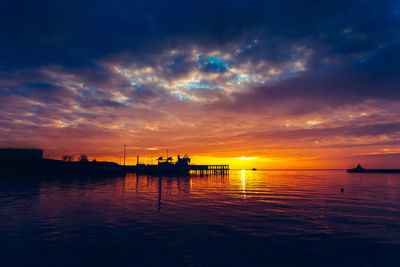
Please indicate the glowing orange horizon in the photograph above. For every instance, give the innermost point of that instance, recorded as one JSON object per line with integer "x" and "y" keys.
{"x": 249, "y": 162}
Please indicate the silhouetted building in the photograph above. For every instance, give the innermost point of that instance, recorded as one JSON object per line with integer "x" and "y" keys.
{"x": 19, "y": 160}
{"x": 20, "y": 155}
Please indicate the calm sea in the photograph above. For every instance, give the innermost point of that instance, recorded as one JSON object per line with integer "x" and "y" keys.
{"x": 246, "y": 218}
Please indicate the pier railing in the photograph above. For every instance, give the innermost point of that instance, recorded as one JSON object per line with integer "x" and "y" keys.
{"x": 187, "y": 169}
{"x": 209, "y": 169}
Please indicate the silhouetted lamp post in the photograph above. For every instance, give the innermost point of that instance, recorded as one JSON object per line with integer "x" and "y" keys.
{"x": 124, "y": 153}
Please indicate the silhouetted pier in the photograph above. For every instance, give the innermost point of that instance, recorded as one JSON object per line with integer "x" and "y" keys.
{"x": 208, "y": 169}
{"x": 181, "y": 166}
{"x": 185, "y": 169}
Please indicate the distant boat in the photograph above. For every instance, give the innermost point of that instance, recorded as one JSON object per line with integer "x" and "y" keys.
{"x": 360, "y": 169}
{"x": 254, "y": 169}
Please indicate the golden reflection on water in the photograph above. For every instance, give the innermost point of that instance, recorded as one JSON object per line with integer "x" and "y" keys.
{"x": 313, "y": 197}
{"x": 261, "y": 204}
{"x": 247, "y": 214}
{"x": 244, "y": 183}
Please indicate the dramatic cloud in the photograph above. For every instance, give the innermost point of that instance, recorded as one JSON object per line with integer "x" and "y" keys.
{"x": 297, "y": 83}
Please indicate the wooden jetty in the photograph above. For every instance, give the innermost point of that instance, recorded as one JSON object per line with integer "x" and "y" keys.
{"x": 208, "y": 169}
{"x": 181, "y": 166}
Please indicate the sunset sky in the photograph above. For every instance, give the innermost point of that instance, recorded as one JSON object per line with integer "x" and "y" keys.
{"x": 265, "y": 84}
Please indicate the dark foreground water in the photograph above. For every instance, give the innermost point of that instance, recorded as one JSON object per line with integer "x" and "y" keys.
{"x": 249, "y": 218}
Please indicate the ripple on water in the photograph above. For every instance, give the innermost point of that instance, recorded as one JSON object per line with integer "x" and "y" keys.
{"x": 246, "y": 218}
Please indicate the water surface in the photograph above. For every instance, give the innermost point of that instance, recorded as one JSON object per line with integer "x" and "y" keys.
{"x": 246, "y": 218}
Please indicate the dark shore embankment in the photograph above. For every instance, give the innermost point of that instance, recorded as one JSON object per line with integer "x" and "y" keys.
{"x": 17, "y": 162}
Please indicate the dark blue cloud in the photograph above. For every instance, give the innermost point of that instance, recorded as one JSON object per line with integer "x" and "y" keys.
{"x": 350, "y": 50}
{"x": 41, "y": 91}
{"x": 213, "y": 64}
{"x": 73, "y": 33}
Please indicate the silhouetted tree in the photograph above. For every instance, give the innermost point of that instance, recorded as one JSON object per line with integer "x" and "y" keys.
{"x": 83, "y": 158}
{"x": 67, "y": 158}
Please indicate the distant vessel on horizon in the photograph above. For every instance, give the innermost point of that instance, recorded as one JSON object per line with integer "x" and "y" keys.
{"x": 360, "y": 169}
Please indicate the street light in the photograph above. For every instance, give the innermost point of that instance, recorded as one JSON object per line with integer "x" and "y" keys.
{"x": 124, "y": 153}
